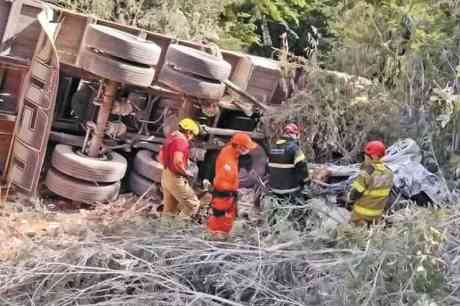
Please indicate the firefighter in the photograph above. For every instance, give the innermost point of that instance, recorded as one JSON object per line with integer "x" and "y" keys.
{"x": 178, "y": 195}
{"x": 287, "y": 164}
{"x": 225, "y": 185}
{"x": 370, "y": 191}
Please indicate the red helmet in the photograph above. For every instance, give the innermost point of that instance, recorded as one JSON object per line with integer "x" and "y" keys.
{"x": 291, "y": 128}
{"x": 375, "y": 148}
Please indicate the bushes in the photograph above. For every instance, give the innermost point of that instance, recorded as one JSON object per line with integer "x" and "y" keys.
{"x": 338, "y": 112}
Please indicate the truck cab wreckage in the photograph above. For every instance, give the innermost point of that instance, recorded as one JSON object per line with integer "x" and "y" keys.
{"x": 86, "y": 103}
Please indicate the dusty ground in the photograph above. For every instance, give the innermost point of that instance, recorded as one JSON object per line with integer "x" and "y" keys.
{"x": 24, "y": 220}
{"x": 53, "y": 255}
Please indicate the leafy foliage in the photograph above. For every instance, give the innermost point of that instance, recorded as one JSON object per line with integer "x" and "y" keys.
{"x": 338, "y": 112}
{"x": 192, "y": 20}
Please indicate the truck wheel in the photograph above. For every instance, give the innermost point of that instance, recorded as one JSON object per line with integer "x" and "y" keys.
{"x": 68, "y": 161}
{"x": 192, "y": 86}
{"x": 147, "y": 166}
{"x": 80, "y": 191}
{"x": 122, "y": 45}
{"x": 116, "y": 70}
{"x": 198, "y": 62}
{"x": 139, "y": 184}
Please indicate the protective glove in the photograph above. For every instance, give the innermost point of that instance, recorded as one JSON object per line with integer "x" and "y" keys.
{"x": 207, "y": 185}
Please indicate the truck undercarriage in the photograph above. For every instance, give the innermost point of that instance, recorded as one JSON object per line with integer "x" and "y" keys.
{"x": 102, "y": 96}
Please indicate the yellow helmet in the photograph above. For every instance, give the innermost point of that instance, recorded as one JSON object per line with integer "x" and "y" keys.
{"x": 190, "y": 125}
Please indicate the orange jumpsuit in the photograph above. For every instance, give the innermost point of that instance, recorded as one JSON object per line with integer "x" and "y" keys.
{"x": 226, "y": 184}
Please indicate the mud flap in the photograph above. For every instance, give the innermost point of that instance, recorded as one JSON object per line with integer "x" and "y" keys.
{"x": 35, "y": 116}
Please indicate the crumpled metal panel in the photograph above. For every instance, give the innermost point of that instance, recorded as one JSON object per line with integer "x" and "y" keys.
{"x": 35, "y": 115}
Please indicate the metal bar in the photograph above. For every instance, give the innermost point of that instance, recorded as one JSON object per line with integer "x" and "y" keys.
{"x": 147, "y": 138}
{"x": 246, "y": 95}
{"x": 228, "y": 132}
{"x": 85, "y": 140}
{"x": 110, "y": 88}
{"x": 214, "y": 125}
{"x": 149, "y": 146}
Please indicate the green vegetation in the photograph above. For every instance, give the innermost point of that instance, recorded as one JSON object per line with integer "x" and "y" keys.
{"x": 407, "y": 50}
{"x": 388, "y": 67}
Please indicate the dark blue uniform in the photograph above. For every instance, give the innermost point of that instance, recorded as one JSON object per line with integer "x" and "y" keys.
{"x": 287, "y": 167}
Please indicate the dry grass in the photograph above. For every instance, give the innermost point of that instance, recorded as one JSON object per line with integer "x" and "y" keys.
{"x": 142, "y": 261}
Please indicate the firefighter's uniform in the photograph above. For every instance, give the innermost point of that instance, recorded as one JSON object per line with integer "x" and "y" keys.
{"x": 370, "y": 192}
{"x": 223, "y": 210}
{"x": 178, "y": 195}
{"x": 287, "y": 167}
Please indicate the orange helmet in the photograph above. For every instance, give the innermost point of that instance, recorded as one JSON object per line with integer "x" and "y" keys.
{"x": 375, "y": 148}
{"x": 243, "y": 139}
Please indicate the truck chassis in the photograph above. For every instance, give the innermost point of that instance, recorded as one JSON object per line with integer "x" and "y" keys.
{"x": 100, "y": 97}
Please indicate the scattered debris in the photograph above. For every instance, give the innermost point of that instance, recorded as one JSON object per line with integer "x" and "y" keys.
{"x": 404, "y": 159}
{"x": 133, "y": 263}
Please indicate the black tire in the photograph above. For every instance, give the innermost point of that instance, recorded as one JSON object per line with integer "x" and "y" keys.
{"x": 198, "y": 62}
{"x": 139, "y": 184}
{"x": 191, "y": 86}
{"x": 146, "y": 165}
{"x": 123, "y": 45}
{"x": 68, "y": 161}
{"x": 116, "y": 70}
{"x": 80, "y": 191}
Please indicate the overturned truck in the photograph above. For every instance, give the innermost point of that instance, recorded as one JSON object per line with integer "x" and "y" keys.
{"x": 86, "y": 103}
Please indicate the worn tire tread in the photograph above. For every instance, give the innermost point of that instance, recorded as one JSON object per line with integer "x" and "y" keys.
{"x": 80, "y": 191}
{"x": 198, "y": 62}
{"x": 88, "y": 169}
{"x": 123, "y": 45}
{"x": 116, "y": 70}
{"x": 147, "y": 166}
{"x": 190, "y": 85}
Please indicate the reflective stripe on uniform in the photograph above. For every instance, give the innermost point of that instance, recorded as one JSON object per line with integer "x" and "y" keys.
{"x": 282, "y": 166}
{"x": 358, "y": 186}
{"x": 281, "y": 141}
{"x": 285, "y": 191}
{"x": 376, "y": 193}
{"x": 368, "y": 212}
